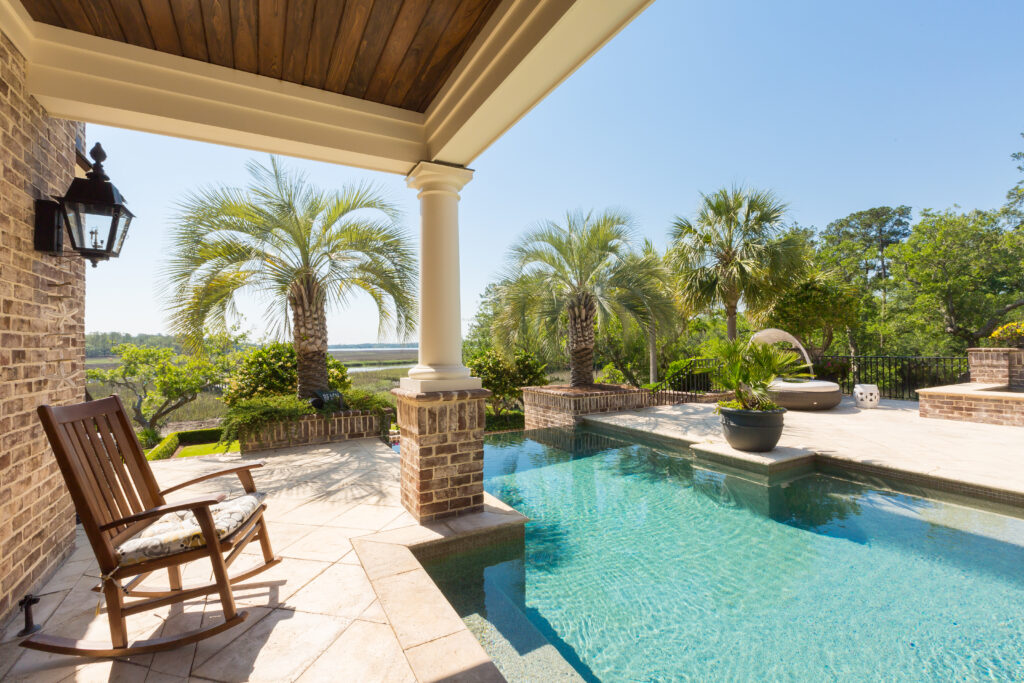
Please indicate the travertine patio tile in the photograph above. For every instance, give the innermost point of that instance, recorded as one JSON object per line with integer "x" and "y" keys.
{"x": 374, "y": 613}
{"x": 110, "y": 670}
{"x": 365, "y": 651}
{"x": 371, "y": 517}
{"x": 282, "y": 535}
{"x": 300, "y": 611}
{"x": 341, "y": 590}
{"x": 416, "y": 609}
{"x": 211, "y": 646}
{"x": 384, "y": 559}
{"x": 277, "y": 584}
{"x": 316, "y": 513}
{"x": 328, "y": 544}
{"x": 403, "y": 520}
{"x": 458, "y": 657}
{"x": 278, "y": 648}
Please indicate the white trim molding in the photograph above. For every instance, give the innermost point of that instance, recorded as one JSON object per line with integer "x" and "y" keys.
{"x": 527, "y": 48}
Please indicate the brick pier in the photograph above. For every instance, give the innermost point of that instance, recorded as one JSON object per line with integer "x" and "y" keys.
{"x": 442, "y": 450}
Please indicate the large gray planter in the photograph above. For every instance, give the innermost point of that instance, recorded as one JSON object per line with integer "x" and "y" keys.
{"x": 752, "y": 430}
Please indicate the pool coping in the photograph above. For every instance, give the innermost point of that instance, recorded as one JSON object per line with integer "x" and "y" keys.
{"x": 436, "y": 642}
{"x": 789, "y": 461}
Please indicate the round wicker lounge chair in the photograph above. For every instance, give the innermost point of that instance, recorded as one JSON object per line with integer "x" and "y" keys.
{"x": 812, "y": 394}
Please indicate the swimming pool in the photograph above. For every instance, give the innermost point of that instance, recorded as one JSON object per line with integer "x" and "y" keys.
{"x": 642, "y": 564}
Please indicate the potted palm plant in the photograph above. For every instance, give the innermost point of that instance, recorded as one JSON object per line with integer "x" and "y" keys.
{"x": 750, "y": 420}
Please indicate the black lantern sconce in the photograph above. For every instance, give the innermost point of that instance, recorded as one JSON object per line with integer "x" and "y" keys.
{"x": 92, "y": 210}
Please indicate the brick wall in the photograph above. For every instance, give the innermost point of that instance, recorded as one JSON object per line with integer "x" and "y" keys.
{"x": 313, "y": 429}
{"x": 562, "y": 406}
{"x": 972, "y": 407}
{"x": 442, "y": 451}
{"x": 997, "y": 366}
{"x": 42, "y": 335}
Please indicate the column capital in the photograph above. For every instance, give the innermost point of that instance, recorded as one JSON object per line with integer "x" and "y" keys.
{"x": 434, "y": 177}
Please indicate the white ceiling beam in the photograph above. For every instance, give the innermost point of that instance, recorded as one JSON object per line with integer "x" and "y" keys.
{"x": 526, "y": 51}
{"x": 86, "y": 78}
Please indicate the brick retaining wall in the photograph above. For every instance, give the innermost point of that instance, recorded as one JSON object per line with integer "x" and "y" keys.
{"x": 997, "y": 366}
{"x": 564, "y": 406}
{"x": 42, "y": 336}
{"x": 1000, "y": 408}
{"x": 314, "y": 429}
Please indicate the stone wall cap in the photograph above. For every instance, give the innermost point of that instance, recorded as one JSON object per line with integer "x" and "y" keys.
{"x": 456, "y": 395}
{"x": 975, "y": 390}
{"x": 588, "y": 391}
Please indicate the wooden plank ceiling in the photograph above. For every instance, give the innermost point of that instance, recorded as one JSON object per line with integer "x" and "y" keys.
{"x": 397, "y": 52}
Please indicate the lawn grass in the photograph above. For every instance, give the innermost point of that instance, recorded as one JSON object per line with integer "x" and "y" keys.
{"x": 206, "y": 449}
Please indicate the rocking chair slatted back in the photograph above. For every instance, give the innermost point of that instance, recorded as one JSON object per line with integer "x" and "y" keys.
{"x": 104, "y": 467}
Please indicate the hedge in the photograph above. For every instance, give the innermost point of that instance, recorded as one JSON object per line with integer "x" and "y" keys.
{"x": 165, "y": 448}
{"x": 169, "y": 445}
{"x": 190, "y": 438}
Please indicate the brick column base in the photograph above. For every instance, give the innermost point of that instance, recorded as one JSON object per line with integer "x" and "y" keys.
{"x": 442, "y": 451}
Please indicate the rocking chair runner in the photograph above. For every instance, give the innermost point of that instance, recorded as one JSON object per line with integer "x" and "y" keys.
{"x": 134, "y": 531}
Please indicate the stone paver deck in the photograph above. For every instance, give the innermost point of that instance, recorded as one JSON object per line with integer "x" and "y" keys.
{"x": 350, "y": 601}
{"x": 892, "y": 439}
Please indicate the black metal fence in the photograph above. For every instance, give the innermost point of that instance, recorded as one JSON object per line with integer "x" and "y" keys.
{"x": 897, "y": 377}
{"x": 688, "y": 381}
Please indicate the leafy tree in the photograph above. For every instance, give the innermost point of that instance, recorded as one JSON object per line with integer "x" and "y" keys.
{"x": 505, "y": 377}
{"x": 856, "y": 248}
{"x": 300, "y": 248}
{"x": 273, "y": 370}
{"x": 735, "y": 251}
{"x": 161, "y": 381}
{"x": 815, "y": 310}
{"x": 98, "y": 344}
{"x": 1015, "y": 197}
{"x": 962, "y": 272}
{"x": 569, "y": 279}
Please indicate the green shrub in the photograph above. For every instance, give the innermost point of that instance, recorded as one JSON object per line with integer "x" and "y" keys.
{"x": 148, "y": 437}
{"x": 249, "y": 415}
{"x": 194, "y": 436}
{"x": 610, "y": 375}
{"x": 512, "y": 419}
{"x": 270, "y": 370}
{"x": 378, "y": 404}
{"x": 506, "y": 377}
{"x": 165, "y": 448}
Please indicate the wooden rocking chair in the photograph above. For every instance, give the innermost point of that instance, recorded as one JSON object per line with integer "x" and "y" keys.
{"x": 133, "y": 531}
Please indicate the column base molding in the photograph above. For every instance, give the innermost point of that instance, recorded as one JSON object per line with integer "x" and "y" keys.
{"x": 426, "y": 386}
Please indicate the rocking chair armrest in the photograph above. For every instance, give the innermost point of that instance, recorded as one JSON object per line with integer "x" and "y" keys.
{"x": 192, "y": 504}
{"x": 243, "y": 472}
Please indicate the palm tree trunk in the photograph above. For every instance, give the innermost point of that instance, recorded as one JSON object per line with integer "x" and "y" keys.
{"x": 730, "y": 321}
{"x": 309, "y": 327}
{"x": 582, "y": 314}
{"x": 652, "y": 356}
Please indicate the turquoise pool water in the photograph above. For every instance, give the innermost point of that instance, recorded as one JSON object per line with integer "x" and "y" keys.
{"x": 640, "y": 564}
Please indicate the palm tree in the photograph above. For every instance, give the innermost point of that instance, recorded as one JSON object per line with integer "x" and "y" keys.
{"x": 298, "y": 248}
{"x": 661, "y": 304}
{"x": 571, "y": 277}
{"x": 735, "y": 250}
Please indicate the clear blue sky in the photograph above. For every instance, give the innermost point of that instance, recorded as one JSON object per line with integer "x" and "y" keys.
{"x": 837, "y": 107}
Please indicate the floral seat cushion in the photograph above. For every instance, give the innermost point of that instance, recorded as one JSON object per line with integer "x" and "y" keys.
{"x": 179, "y": 531}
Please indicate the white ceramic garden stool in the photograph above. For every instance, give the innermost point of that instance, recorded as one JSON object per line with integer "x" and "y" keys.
{"x": 866, "y": 395}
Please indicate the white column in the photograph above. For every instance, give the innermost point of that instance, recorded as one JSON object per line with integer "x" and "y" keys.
{"x": 440, "y": 365}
